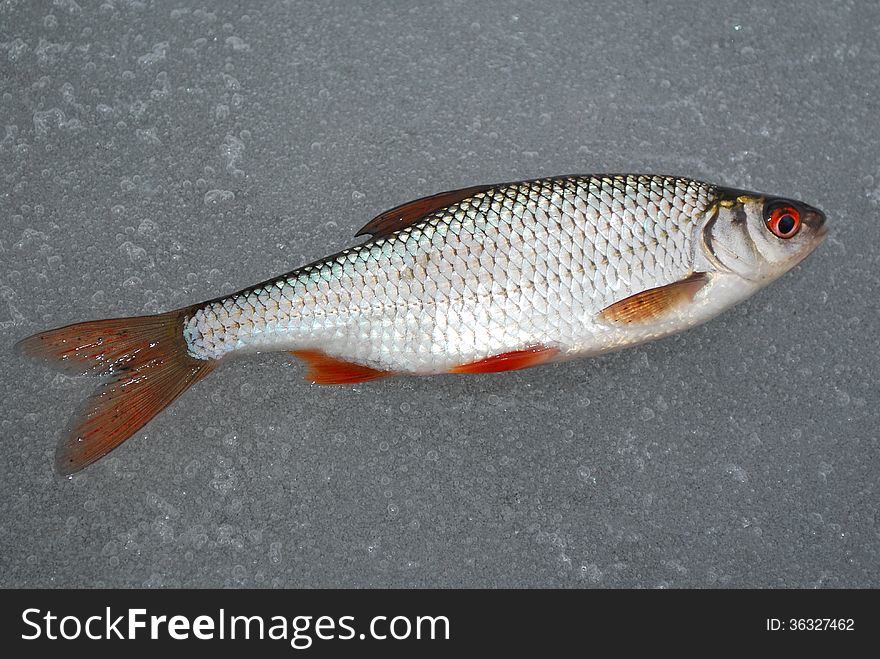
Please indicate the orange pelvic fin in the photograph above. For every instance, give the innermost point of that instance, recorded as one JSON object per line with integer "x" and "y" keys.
{"x": 654, "y": 302}
{"x": 146, "y": 361}
{"x": 509, "y": 361}
{"x": 324, "y": 369}
{"x": 405, "y": 214}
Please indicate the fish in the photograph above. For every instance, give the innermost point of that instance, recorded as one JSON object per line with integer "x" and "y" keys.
{"x": 483, "y": 279}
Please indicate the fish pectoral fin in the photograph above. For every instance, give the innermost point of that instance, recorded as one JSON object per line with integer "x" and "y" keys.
{"x": 509, "y": 361}
{"x": 324, "y": 369}
{"x": 412, "y": 211}
{"x": 654, "y": 303}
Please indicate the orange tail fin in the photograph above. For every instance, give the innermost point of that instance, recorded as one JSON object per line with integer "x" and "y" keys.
{"x": 146, "y": 361}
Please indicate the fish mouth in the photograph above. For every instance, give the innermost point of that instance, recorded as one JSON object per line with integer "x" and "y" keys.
{"x": 813, "y": 224}
{"x": 815, "y": 220}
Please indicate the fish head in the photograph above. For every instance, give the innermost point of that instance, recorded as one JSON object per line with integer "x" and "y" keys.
{"x": 760, "y": 237}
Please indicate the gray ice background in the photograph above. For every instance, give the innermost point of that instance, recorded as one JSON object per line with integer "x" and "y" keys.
{"x": 156, "y": 154}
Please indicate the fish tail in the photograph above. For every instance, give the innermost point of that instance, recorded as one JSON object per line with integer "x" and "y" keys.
{"x": 146, "y": 366}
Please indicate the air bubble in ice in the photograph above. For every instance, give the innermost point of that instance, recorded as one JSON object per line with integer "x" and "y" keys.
{"x": 736, "y": 472}
{"x": 237, "y": 44}
{"x": 215, "y": 197}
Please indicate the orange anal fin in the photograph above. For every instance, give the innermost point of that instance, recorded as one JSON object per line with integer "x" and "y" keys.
{"x": 654, "y": 303}
{"x": 509, "y": 361}
{"x": 324, "y": 369}
{"x": 405, "y": 214}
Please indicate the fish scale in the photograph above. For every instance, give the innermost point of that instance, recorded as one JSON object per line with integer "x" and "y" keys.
{"x": 514, "y": 266}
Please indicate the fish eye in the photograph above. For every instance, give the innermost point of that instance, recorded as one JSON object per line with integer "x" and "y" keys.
{"x": 784, "y": 221}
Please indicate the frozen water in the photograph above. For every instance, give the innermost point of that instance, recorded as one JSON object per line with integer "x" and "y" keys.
{"x": 155, "y": 156}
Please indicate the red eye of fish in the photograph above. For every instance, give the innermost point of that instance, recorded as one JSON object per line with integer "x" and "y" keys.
{"x": 784, "y": 221}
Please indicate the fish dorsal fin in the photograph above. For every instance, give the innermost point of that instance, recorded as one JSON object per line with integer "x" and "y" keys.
{"x": 412, "y": 211}
{"x": 324, "y": 369}
{"x": 654, "y": 302}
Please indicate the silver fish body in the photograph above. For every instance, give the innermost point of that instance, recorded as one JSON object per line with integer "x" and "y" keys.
{"x": 517, "y": 265}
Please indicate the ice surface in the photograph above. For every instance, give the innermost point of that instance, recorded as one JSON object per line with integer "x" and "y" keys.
{"x": 154, "y": 155}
